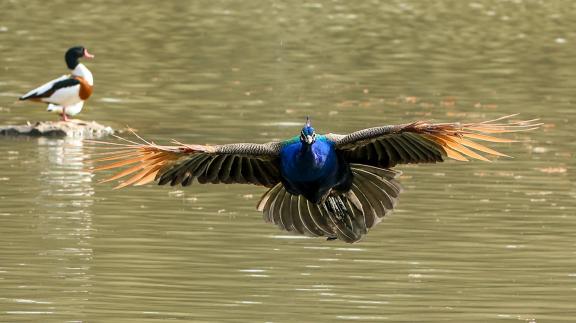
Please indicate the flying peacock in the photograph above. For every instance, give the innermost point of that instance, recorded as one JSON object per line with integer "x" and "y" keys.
{"x": 334, "y": 186}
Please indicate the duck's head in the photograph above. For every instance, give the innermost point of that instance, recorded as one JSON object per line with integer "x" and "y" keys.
{"x": 308, "y": 135}
{"x": 74, "y": 54}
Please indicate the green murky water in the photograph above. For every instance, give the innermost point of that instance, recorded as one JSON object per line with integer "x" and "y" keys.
{"x": 470, "y": 242}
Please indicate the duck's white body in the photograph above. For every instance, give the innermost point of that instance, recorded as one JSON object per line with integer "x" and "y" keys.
{"x": 66, "y": 94}
{"x": 71, "y": 110}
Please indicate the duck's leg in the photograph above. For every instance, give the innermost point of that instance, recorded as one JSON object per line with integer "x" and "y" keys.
{"x": 63, "y": 115}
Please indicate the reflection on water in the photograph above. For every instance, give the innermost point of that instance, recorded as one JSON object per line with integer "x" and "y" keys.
{"x": 470, "y": 242}
{"x": 53, "y": 276}
{"x": 66, "y": 190}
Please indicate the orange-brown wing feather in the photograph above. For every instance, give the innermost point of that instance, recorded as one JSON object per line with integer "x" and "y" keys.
{"x": 181, "y": 164}
{"x": 423, "y": 142}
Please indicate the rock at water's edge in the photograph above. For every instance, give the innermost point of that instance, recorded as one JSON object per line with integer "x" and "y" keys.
{"x": 71, "y": 128}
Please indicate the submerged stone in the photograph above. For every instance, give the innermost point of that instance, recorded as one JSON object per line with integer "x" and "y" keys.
{"x": 72, "y": 128}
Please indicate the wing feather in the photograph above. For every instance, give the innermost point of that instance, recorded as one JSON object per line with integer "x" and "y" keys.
{"x": 214, "y": 168}
{"x": 259, "y": 174}
{"x": 423, "y": 142}
{"x": 310, "y": 219}
{"x": 457, "y": 145}
{"x": 284, "y": 220}
{"x": 237, "y": 176}
{"x": 428, "y": 151}
{"x": 318, "y": 220}
{"x": 393, "y": 154}
{"x": 297, "y": 211}
{"x": 402, "y": 151}
{"x": 43, "y": 89}
{"x": 224, "y": 172}
{"x": 275, "y": 211}
{"x": 181, "y": 164}
{"x": 248, "y": 171}
{"x": 454, "y": 154}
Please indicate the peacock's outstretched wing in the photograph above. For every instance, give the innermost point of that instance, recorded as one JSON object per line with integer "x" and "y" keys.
{"x": 423, "y": 142}
{"x": 182, "y": 164}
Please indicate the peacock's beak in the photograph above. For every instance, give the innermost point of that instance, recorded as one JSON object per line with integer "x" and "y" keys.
{"x": 309, "y": 140}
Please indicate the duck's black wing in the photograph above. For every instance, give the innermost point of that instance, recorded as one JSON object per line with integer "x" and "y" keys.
{"x": 46, "y": 90}
{"x": 423, "y": 142}
{"x": 182, "y": 164}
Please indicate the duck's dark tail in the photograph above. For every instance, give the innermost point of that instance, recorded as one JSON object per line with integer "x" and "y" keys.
{"x": 347, "y": 216}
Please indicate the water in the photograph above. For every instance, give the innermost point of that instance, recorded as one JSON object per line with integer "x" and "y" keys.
{"x": 470, "y": 242}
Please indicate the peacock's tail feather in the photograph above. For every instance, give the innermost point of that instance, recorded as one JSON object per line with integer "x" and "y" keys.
{"x": 344, "y": 215}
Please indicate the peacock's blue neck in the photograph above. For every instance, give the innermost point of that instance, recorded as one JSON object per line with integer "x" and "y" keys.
{"x": 313, "y": 171}
{"x": 301, "y": 162}
{"x": 307, "y": 154}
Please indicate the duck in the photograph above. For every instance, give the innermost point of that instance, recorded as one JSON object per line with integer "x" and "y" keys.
{"x": 66, "y": 95}
{"x": 337, "y": 186}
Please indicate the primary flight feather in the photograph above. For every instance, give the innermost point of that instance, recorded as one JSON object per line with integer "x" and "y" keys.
{"x": 336, "y": 186}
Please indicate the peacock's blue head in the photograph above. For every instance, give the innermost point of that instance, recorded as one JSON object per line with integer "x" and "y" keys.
{"x": 308, "y": 135}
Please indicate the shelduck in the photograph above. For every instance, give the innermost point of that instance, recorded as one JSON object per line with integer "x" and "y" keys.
{"x": 66, "y": 94}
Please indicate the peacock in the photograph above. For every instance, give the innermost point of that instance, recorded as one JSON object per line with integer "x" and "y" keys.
{"x": 334, "y": 186}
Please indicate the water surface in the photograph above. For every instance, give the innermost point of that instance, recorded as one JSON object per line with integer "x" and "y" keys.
{"x": 469, "y": 242}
